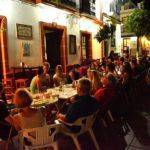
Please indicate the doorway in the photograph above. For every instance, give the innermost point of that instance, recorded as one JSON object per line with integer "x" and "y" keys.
{"x": 54, "y": 44}
{"x": 86, "y": 45}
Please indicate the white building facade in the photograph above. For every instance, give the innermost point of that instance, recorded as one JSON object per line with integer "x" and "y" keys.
{"x": 75, "y": 26}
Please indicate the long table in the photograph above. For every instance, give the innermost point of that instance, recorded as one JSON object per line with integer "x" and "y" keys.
{"x": 53, "y": 95}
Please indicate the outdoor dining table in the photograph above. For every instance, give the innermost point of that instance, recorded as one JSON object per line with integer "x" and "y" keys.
{"x": 52, "y": 95}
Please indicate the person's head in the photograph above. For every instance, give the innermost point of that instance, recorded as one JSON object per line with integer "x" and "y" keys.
{"x": 110, "y": 67}
{"x": 116, "y": 61}
{"x": 22, "y": 98}
{"x": 94, "y": 75}
{"x": 58, "y": 70}
{"x": 121, "y": 61}
{"x": 92, "y": 65}
{"x": 46, "y": 67}
{"x": 83, "y": 86}
{"x": 103, "y": 67}
{"x": 40, "y": 71}
{"x": 77, "y": 67}
{"x": 111, "y": 52}
{"x": 134, "y": 61}
{"x": 95, "y": 78}
{"x": 127, "y": 68}
{"x": 97, "y": 62}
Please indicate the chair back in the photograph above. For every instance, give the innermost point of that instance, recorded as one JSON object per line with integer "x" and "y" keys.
{"x": 41, "y": 136}
{"x": 8, "y": 82}
{"x": 21, "y": 83}
{"x": 86, "y": 122}
{"x": 8, "y": 88}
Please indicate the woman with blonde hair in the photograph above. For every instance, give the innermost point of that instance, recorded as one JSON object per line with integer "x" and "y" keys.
{"x": 59, "y": 77}
{"x": 95, "y": 78}
{"x": 28, "y": 117}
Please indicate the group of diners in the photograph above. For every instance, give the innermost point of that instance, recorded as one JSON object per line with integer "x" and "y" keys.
{"x": 96, "y": 85}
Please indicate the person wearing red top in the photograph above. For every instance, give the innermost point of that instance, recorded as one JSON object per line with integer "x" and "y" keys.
{"x": 105, "y": 94}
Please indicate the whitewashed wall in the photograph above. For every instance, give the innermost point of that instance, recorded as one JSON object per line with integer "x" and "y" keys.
{"x": 23, "y": 13}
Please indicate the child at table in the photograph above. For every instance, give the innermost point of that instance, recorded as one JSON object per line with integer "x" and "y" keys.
{"x": 28, "y": 117}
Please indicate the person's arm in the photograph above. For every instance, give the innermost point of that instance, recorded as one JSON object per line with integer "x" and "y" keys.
{"x": 9, "y": 120}
{"x": 38, "y": 84}
{"x": 16, "y": 122}
{"x": 72, "y": 114}
{"x": 55, "y": 80}
{"x": 48, "y": 80}
{"x": 4, "y": 114}
{"x": 61, "y": 117}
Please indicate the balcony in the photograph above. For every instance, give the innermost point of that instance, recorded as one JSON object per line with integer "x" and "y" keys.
{"x": 62, "y": 4}
{"x": 71, "y": 3}
{"x": 87, "y": 7}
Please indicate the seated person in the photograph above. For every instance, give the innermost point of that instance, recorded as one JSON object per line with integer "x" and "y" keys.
{"x": 28, "y": 117}
{"x": 105, "y": 94}
{"x": 5, "y": 122}
{"x": 94, "y": 76}
{"x": 59, "y": 77}
{"x": 74, "y": 74}
{"x": 38, "y": 82}
{"x": 83, "y": 105}
{"x": 46, "y": 67}
{"x": 97, "y": 64}
{"x": 111, "y": 74}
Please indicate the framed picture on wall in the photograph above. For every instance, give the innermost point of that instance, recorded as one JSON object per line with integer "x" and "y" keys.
{"x": 72, "y": 44}
{"x": 24, "y": 31}
{"x": 26, "y": 46}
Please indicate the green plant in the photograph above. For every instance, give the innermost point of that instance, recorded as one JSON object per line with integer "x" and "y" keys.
{"x": 139, "y": 24}
{"x": 104, "y": 33}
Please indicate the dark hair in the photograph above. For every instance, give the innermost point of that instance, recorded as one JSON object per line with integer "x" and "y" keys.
{"x": 111, "y": 66}
{"x": 40, "y": 71}
{"x": 58, "y": 67}
{"x": 46, "y": 64}
{"x": 122, "y": 59}
{"x": 127, "y": 68}
{"x": 77, "y": 66}
{"x": 134, "y": 61}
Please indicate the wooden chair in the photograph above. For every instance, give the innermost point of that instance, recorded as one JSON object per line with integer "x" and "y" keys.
{"x": 8, "y": 88}
{"x": 21, "y": 83}
{"x": 8, "y": 82}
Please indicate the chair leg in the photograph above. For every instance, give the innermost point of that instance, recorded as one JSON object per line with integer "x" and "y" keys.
{"x": 110, "y": 115}
{"x": 76, "y": 142}
{"x": 94, "y": 139}
{"x": 104, "y": 123}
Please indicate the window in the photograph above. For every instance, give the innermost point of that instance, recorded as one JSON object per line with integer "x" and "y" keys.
{"x": 86, "y": 48}
{"x": 88, "y": 6}
{"x": 69, "y": 2}
{"x": 126, "y": 43}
